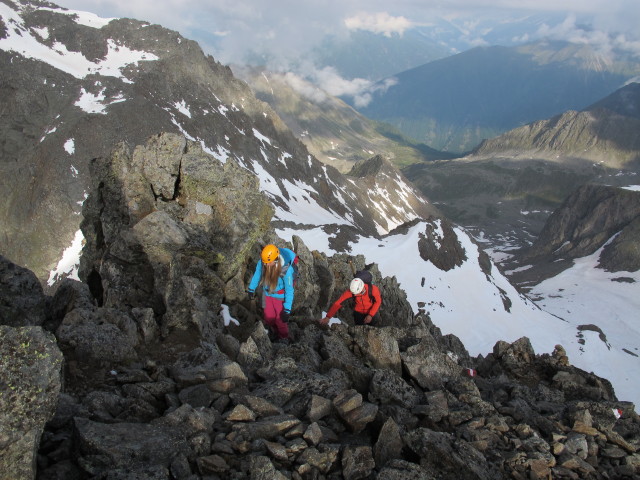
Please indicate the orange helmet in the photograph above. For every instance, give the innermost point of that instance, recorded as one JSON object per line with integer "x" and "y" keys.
{"x": 270, "y": 253}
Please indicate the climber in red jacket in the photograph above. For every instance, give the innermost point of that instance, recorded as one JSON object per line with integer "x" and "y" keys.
{"x": 367, "y": 301}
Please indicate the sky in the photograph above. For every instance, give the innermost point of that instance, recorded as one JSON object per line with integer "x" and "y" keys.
{"x": 284, "y": 30}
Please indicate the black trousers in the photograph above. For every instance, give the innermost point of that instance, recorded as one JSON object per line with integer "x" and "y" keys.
{"x": 358, "y": 318}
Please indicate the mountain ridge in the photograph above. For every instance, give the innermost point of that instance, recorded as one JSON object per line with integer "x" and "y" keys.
{"x": 602, "y": 132}
{"x": 79, "y": 109}
{"x": 453, "y": 103}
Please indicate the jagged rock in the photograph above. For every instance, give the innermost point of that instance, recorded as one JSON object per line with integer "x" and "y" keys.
{"x": 447, "y": 457}
{"x": 262, "y": 469}
{"x": 268, "y": 428}
{"x": 178, "y": 225}
{"x": 129, "y": 447}
{"x": 440, "y": 246}
{"x": 403, "y": 470}
{"x": 357, "y": 463}
{"x": 379, "y": 347}
{"x": 337, "y": 355}
{"x": 427, "y": 365}
{"x": 30, "y": 381}
{"x": 99, "y": 336}
{"x": 206, "y": 364}
{"x": 389, "y": 444}
{"x": 313, "y": 434}
{"x": 319, "y": 407}
{"x": 22, "y": 300}
{"x": 388, "y": 388}
{"x": 69, "y": 295}
{"x": 356, "y": 413}
{"x": 321, "y": 459}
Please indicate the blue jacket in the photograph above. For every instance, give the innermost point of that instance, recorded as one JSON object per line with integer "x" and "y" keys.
{"x": 284, "y": 289}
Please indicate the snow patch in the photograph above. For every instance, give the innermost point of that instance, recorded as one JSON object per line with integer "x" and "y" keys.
{"x": 70, "y": 261}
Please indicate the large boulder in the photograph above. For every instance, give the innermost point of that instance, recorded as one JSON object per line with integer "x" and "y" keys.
{"x": 22, "y": 300}
{"x": 167, "y": 226}
{"x": 30, "y": 382}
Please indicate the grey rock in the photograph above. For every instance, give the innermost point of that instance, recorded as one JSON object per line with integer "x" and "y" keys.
{"x": 126, "y": 446}
{"x": 319, "y": 407}
{"x": 322, "y": 458}
{"x": 30, "y": 380}
{"x": 261, "y": 468}
{"x": 387, "y": 387}
{"x": 389, "y": 444}
{"x": 269, "y": 428}
{"x": 22, "y": 300}
{"x": 99, "y": 336}
{"x": 379, "y": 347}
{"x": 451, "y": 458}
{"x": 357, "y": 462}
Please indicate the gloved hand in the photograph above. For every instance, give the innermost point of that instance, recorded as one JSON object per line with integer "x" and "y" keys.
{"x": 368, "y": 319}
{"x": 251, "y": 295}
{"x": 284, "y": 316}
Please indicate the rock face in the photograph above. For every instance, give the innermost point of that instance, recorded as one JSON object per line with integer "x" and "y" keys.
{"x": 592, "y": 217}
{"x": 163, "y": 385}
{"x": 30, "y": 383}
{"x": 22, "y": 300}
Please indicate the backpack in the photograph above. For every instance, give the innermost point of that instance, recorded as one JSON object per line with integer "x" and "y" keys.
{"x": 367, "y": 278}
{"x": 293, "y": 264}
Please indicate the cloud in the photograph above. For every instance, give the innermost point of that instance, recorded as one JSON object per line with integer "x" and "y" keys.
{"x": 304, "y": 88}
{"x": 602, "y": 41}
{"x": 378, "y": 23}
{"x": 281, "y": 32}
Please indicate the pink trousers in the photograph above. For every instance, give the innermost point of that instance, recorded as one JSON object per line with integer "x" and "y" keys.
{"x": 272, "y": 310}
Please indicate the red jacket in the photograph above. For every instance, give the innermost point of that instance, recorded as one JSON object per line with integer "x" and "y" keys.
{"x": 362, "y": 302}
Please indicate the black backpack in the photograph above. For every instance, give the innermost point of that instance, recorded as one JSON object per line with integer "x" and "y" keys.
{"x": 367, "y": 278}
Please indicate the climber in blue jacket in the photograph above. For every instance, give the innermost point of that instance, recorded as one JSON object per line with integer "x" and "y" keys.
{"x": 276, "y": 274}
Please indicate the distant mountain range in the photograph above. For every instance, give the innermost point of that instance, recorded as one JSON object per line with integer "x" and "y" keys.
{"x": 605, "y": 132}
{"x": 510, "y": 184}
{"x": 333, "y": 131}
{"x": 454, "y": 103}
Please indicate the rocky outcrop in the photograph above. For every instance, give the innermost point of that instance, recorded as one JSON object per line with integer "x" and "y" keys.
{"x": 325, "y": 407}
{"x": 589, "y": 218}
{"x": 30, "y": 382}
{"x": 170, "y": 374}
{"x": 386, "y": 186}
{"x": 605, "y": 132}
{"x": 22, "y": 300}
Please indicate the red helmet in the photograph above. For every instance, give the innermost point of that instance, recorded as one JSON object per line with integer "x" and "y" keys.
{"x": 270, "y": 253}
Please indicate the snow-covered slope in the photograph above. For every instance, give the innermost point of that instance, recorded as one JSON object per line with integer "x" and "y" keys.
{"x": 469, "y": 304}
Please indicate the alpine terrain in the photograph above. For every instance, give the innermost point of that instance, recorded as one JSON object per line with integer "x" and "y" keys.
{"x": 142, "y": 180}
{"x": 454, "y": 103}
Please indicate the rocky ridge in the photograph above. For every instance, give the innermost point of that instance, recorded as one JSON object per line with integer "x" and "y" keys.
{"x": 593, "y": 217}
{"x": 603, "y": 132}
{"x": 169, "y": 374}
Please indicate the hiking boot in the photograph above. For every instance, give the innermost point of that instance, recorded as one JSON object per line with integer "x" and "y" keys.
{"x": 283, "y": 341}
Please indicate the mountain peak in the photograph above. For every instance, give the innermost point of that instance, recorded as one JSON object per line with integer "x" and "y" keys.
{"x": 370, "y": 167}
